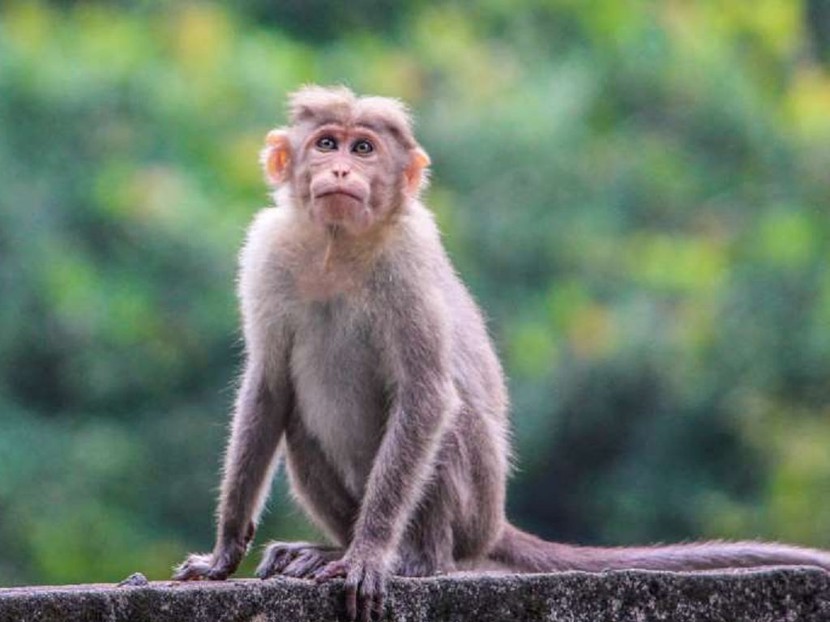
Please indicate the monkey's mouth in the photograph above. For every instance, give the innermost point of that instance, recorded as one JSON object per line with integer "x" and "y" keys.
{"x": 341, "y": 205}
{"x": 339, "y": 192}
{"x": 338, "y": 205}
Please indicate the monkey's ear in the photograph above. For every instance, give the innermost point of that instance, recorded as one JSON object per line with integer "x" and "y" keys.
{"x": 276, "y": 156}
{"x": 416, "y": 171}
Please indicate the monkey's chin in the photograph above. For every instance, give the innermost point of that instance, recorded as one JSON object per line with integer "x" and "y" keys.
{"x": 342, "y": 212}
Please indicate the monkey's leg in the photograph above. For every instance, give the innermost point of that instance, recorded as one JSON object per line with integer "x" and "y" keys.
{"x": 317, "y": 486}
{"x": 427, "y": 546}
{"x": 318, "y": 489}
{"x": 427, "y": 549}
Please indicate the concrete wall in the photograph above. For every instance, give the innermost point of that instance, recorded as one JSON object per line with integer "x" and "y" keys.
{"x": 794, "y": 594}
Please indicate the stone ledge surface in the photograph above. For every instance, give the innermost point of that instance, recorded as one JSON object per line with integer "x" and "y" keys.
{"x": 772, "y": 595}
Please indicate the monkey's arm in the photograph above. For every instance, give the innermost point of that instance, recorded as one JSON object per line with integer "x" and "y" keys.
{"x": 250, "y": 460}
{"x": 263, "y": 403}
{"x": 424, "y": 402}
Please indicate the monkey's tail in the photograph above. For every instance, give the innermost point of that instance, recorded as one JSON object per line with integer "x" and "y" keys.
{"x": 523, "y": 552}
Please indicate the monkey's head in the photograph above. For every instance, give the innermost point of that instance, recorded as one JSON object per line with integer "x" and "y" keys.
{"x": 350, "y": 161}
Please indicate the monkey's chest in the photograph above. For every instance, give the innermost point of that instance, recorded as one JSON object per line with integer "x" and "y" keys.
{"x": 342, "y": 395}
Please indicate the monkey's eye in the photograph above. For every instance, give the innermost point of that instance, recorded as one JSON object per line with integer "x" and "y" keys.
{"x": 326, "y": 143}
{"x": 363, "y": 147}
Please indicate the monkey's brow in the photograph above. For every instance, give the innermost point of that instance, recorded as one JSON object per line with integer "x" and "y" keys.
{"x": 323, "y": 121}
{"x": 339, "y": 124}
{"x": 374, "y": 127}
{"x": 384, "y": 128}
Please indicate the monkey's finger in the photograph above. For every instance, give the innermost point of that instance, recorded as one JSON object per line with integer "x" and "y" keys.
{"x": 181, "y": 572}
{"x": 223, "y": 566}
{"x": 297, "y": 565}
{"x": 315, "y": 567}
{"x": 332, "y": 570}
{"x": 371, "y": 595}
{"x": 264, "y": 570}
{"x": 282, "y": 561}
{"x": 218, "y": 573}
{"x": 196, "y": 566}
{"x": 275, "y": 559}
{"x": 304, "y": 565}
{"x": 366, "y": 604}
{"x": 379, "y": 601}
{"x": 377, "y": 605}
{"x": 351, "y": 586}
{"x": 185, "y": 573}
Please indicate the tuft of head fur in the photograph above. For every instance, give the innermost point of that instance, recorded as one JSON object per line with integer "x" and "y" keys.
{"x": 318, "y": 105}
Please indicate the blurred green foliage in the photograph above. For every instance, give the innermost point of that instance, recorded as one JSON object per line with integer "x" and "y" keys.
{"x": 636, "y": 192}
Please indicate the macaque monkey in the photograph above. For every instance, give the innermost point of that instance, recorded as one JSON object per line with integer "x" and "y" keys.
{"x": 369, "y": 371}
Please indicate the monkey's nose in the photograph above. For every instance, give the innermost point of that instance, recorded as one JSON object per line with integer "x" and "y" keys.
{"x": 340, "y": 172}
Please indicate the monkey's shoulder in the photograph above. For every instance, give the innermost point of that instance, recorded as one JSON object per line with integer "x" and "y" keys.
{"x": 270, "y": 229}
{"x": 281, "y": 248}
{"x": 256, "y": 265}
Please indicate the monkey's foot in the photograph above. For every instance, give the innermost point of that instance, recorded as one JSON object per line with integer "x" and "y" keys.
{"x": 295, "y": 559}
{"x": 365, "y": 585}
{"x": 416, "y": 560}
{"x": 211, "y": 566}
{"x": 419, "y": 565}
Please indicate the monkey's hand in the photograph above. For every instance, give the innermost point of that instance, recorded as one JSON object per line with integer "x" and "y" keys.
{"x": 365, "y": 585}
{"x": 215, "y": 566}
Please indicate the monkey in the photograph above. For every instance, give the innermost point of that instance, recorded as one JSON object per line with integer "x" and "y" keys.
{"x": 369, "y": 371}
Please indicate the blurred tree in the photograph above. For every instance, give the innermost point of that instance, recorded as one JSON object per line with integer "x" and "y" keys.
{"x": 818, "y": 24}
{"x": 321, "y": 21}
{"x": 636, "y": 193}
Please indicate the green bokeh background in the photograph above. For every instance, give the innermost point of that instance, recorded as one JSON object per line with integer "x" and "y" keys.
{"x": 638, "y": 194}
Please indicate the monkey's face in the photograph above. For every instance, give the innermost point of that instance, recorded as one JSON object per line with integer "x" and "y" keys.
{"x": 350, "y": 174}
{"x": 349, "y": 177}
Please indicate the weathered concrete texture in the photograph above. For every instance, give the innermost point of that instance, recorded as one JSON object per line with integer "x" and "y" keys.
{"x": 752, "y": 596}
